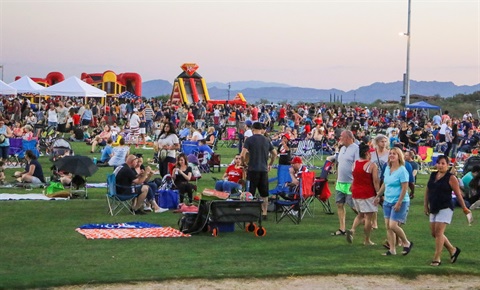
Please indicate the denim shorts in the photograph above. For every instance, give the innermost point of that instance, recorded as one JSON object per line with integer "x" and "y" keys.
{"x": 398, "y": 216}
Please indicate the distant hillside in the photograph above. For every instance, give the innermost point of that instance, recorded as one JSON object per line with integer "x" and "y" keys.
{"x": 276, "y": 92}
{"x": 156, "y": 88}
{"x": 246, "y": 85}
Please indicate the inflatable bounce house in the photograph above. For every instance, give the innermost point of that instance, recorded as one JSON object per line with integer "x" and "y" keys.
{"x": 115, "y": 84}
{"x": 189, "y": 87}
{"x": 51, "y": 79}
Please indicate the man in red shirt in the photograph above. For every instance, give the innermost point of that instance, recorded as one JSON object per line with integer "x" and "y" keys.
{"x": 281, "y": 115}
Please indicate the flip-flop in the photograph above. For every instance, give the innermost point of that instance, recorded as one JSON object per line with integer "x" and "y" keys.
{"x": 386, "y": 246}
{"x": 454, "y": 257}
{"x": 388, "y": 253}
{"x": 339, "y": 232}
{"x": 406, "y": 250}
{"x": 435, "y": 263}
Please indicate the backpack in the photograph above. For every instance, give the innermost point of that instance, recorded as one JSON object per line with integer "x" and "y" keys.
{"x": 187, "y": 221}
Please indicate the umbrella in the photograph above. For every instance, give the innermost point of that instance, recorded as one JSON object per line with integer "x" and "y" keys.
{"x": 77, "y": 165}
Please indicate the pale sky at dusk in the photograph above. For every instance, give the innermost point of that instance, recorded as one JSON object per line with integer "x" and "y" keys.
{"x": 318, "y": 43}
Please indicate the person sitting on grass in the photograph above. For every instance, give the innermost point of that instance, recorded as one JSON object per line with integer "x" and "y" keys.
{"x": 119, "y": 154}
{"x": 107, "y": 152}
{"x": 33, "y": 172}
{"x": 101, "y": 139}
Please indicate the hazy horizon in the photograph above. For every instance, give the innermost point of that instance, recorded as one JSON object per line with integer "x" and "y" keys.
{"x": 317, "y": 44}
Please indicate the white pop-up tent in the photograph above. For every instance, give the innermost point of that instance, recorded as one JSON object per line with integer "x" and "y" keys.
{"x": 26, "y": 85}
{"x": 6, "y": 90}
{"x": 73, "y": 87}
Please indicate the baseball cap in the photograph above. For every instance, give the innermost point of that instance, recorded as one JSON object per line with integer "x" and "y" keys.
{"x": 286, "y": 135}
{"x": 248, "y": 123}
{"x": 296, "y": 159}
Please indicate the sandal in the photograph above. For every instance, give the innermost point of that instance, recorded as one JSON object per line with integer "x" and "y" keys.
{"x": 388, "y": 253}
{"x": 454, "y": 257}
{"x": 386, "y": 245}
{"x": 406, "y": 250}
{"x": 339, "y": 232}
{"x": 435, "y": 263}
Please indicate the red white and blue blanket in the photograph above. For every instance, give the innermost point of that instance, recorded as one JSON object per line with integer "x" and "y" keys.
{"x": 128, "y": 231}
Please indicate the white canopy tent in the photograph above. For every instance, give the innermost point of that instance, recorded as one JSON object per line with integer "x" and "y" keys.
{"x": 73, "y": 87}
{"x": 26, "y": 85}
{"x": 6, "y": 89}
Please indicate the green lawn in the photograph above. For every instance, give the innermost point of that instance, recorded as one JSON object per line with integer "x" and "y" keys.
{"x": 40, "y": 248}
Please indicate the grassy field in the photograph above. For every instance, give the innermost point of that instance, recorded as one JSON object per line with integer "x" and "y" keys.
{"x": 40, "y": 248}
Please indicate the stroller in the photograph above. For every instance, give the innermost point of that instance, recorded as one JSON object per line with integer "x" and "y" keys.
{"x": 60, "y": 148}
{"x": 46, "y": 138}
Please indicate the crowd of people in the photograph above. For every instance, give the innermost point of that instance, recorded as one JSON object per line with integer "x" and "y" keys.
{"x": 376, "y": 151}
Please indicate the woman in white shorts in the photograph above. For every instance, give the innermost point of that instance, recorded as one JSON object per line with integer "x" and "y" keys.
{"x": 438, "y": 205}
{"x": 364, "y": 187}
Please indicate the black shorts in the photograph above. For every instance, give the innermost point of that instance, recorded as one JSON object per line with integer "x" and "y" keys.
{"x": 258, "y": 180}
{"x": 62, "y": 128}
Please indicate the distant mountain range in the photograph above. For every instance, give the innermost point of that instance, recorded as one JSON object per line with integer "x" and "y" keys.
{"x": 254, "y": 91}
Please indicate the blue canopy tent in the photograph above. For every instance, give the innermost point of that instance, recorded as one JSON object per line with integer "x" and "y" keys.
{"x": 424, "y": 105}
{"x": 127, "y": 95}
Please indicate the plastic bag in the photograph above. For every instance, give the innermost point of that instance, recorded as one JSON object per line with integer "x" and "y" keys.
{"x": 55, "y": 187}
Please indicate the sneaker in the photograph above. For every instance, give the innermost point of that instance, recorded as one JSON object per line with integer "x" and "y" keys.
{"x": 160, "y": 210}
{"x": 140, "y": 212}
{"x": 349, "y": 236}
{"x": 475, "y": 205}
{"x": 147, "y": 208}
{"x": 144, "y": 147}
{"x": 294, "y": 213}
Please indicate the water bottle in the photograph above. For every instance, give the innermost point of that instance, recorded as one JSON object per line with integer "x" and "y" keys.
{"x": 94, "y": 160}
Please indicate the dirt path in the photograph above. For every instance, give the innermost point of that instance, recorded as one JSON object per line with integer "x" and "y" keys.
{"x": 309, "y": 282}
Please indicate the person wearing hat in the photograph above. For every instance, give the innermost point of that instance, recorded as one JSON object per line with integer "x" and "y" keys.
{"x": 296, "y": 170}
{"x": 259, "y": 147}
{"x": 5, "y": 133}
{"x": 284, "y": 150}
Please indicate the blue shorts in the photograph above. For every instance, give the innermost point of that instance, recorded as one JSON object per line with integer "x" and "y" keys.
{"x": 398, "y": 216}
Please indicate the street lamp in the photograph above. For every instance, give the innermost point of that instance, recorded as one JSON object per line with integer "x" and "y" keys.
{"x": 407, "y": 73}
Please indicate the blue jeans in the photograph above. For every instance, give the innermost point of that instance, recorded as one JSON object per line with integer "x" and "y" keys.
{"x": 227, "y": 186}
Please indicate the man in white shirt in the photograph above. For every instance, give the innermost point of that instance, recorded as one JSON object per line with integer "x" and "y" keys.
{"x": 135, "y": 126}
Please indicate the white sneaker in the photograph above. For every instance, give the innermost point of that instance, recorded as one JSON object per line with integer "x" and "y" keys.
{"x": 147, "y": 208}
{"x": 161, "y": 209}
{"x": 294, "y": 213}
{"x": 475, "y": 205}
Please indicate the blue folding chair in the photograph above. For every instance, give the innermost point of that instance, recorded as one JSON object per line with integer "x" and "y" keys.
{"x": 117, "y": 203}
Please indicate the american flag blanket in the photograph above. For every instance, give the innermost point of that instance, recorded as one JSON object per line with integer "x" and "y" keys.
{"x": 128, "y": 231}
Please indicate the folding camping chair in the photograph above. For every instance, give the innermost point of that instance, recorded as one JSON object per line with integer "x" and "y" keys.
{"x": 295, "y": 208}
{"x": 283, "y": 177}
{"x": 229, "y": 137}
{"x": 321, "y": 190}
{"x": 306, "y": 150}
{"x": 117, "y": 203}
{"x": 189, "y": 147}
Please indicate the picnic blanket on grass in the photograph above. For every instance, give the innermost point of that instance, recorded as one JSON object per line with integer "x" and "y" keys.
{"x": 28, "y": 196}
{"x": 128, "y": 231}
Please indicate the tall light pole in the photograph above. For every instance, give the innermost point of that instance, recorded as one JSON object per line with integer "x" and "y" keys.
{"x": 407, "y": 73}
